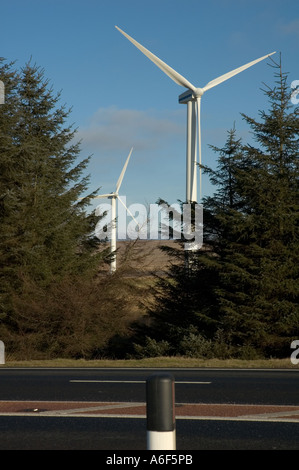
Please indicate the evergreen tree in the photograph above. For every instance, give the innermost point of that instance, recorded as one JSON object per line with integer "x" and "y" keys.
{"x": 226, "y": 203}
{"x": 8, "y": 123}
{"x": 45, "y": 231}
{"x": 259, "y": 292}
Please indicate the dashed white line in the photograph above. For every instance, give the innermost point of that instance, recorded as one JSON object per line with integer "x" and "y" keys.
{"x": 133, "y": 382}
{"x": 109, "y": 381}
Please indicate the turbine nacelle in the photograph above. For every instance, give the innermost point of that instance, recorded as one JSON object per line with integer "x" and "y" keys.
{"x": 191, "y": 95}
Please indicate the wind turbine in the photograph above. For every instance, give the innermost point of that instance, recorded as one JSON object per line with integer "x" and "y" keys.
{"x": 191, "y": 97}
{"x": 114, "y": 196}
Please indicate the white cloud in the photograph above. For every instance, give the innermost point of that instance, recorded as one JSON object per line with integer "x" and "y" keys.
{"x": 291, "y": 28}
{"x": 113, "y": 129}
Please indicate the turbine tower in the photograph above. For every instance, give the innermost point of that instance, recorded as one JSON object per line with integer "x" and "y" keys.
{"x": 191, "y": 97}
{"x": 114, "y": 196}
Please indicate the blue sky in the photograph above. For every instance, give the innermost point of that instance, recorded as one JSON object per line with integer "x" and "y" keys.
{"x": 120, "y": 99}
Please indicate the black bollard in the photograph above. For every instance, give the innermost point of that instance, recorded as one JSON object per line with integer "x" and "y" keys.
{"x": 160, "y": 412}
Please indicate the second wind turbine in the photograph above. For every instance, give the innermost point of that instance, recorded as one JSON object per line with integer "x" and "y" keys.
{"x": 114, "y": 196}
{"x": 192, "y": 97}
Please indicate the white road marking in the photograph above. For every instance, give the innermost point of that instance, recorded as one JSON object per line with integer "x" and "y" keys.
{"x": 132, "y": 382}
{"x": 195, "y": 383}
{"x": 109, "y": 381}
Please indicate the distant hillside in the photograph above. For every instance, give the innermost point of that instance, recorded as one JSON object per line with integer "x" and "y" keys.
{"x": 144, "y": 257}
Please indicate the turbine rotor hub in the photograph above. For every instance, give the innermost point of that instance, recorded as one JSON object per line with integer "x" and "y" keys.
{"x": 198, "y": 92}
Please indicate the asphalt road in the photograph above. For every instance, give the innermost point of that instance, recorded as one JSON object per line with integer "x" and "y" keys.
{"x": 259, "y": 387}
{"x": 40, "y": 433}
{"x": 191, "y": 385}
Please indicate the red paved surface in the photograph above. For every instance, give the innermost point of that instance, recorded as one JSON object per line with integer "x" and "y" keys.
{"x": 195, "y": 411}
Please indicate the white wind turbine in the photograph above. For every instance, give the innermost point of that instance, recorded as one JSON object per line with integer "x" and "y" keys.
{"x": 114, "y": 196}
{"x": 192, "y": 97}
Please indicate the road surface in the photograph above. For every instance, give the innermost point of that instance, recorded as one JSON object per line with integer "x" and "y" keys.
{"x": 96, "y": 409}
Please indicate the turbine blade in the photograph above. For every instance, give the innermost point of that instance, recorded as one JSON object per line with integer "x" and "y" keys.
{"x": 228, "y": 75}
{"x": 175, "y": 76}
{"x": 120, "y": 179}
{"x": 102, "y": 196}
{"x": 128, "y": 210}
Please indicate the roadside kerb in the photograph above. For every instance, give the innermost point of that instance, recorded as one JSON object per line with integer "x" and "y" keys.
{"x": 138, "y": 410}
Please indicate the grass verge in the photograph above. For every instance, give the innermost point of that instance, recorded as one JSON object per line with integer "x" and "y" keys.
{"x": 158, "y": 362}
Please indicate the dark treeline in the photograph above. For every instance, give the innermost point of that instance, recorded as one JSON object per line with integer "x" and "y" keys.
{"x": 237, "y": 297}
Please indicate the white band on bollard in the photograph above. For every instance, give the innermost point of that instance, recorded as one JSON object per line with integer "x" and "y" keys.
{"x": 161, "y": 440}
